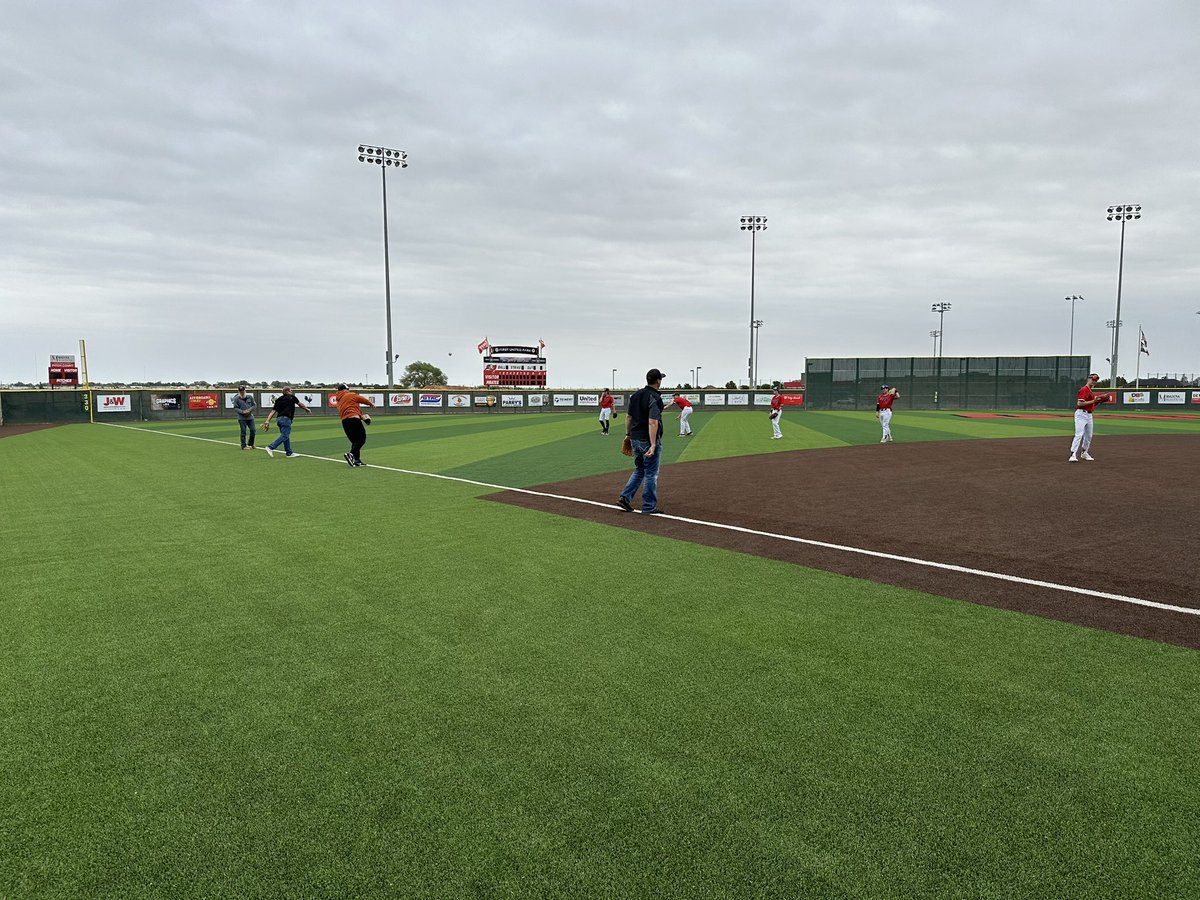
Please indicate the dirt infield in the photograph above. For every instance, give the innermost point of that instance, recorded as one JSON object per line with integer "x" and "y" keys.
{"x": 1125, "y": 524}
{"x": 13, "y": 430}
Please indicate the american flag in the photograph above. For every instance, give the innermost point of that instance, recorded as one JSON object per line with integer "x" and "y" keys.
{"x": 1145, "y": 348}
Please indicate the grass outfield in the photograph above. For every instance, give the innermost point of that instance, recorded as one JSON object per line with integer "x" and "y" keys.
{"x": 227, "y": 675}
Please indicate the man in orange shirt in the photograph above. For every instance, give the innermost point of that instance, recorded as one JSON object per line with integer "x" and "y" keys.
{"x": 354, "y": 421}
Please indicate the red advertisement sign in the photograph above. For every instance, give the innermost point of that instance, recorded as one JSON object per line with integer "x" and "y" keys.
{"x": 203, "y": 401}
{"x": 791, "y": 399}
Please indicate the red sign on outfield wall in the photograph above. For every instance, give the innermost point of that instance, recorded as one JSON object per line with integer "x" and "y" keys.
{"x": 203, "y": 401}
{"x": 792, "y": 399}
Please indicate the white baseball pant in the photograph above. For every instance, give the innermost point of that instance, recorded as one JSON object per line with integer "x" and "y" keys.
{"x": 1083, "y": 431}
{"x": 684, "y": 415}
{"x": 885, "y": 418}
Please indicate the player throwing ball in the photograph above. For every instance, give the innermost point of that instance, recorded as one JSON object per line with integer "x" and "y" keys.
{"x": 349, "y": 406}
{"x": 1084, "y": 404}
{"x": 883, "y": 411}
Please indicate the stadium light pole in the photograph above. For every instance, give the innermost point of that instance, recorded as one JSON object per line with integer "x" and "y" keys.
{"x": 935, "y": 334}
{"x": 385, "y": 158}
{"x": 1121, "y": 213}
{"x": 941, "y": 309}
{"x": 614, "y": 387}
{"x": 698, "y": 368}
{"x": 693, "y": 371}
{"x": 1071, "y": 300}
{"x": 1112, "y": 347}
{"x": 752, "y": 224}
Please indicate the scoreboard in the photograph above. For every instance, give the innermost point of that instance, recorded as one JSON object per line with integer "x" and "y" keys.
{"x": 514, "y": 367}
{"x": 63, "y": 371}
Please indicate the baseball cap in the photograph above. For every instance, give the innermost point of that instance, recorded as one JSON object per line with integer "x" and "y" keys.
{"x": 654, "y": 375}
{"x": 342, "y": 387}
{"x": 883, "y": 387}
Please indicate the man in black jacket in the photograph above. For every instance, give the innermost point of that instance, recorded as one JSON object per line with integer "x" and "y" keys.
{"x": 643, "y": 427}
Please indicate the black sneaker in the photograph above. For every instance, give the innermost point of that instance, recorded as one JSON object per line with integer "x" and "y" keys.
{"x": 624, "y": 504}
{"x": 349, "y": 459}
{"x": 651, "y": 512}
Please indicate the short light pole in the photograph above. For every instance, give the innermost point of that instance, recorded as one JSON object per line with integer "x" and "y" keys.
{"x": 935, "y": 334}
{"x": 752, "y": 224}
{"x": 693, "y": 371}
{"x": 941, "y": 309}
{"x": 758, "y": 324}
{"x": 384, "y": 158}
{"x": 1071, "y": 300}
{"x": 614, "y": 387}
{"x": 698, "y": 368}
{"x": 1122, "y": 213}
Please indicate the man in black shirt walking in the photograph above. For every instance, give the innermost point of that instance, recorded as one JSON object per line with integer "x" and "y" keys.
{"x": 643, "y": 427}
{"x": 284, "y": 410}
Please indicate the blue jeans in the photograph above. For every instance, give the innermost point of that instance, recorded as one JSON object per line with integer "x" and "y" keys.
{"x": 285, "y": 435}
{"x": 645, "y": 475}
{"x": 246, "y": 427}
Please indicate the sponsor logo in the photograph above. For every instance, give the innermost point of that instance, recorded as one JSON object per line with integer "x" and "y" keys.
{"x": 1136, "y": 397}
{"x": 589, "y": 400}
{"x": 112, "y": 403}
{"x": 512, "y": 400}
{"x": 739, "y": 399}
{"x": 537, "y": 399}
{"x": 763, "y": 399}
{"x": 1171, "y": 397}
{"x": 431, "y": 400}
{"x": 458, "y": 401}
{"x": 401, "y": 400}
{"x": 714, "y": 399}
{"x": 481, "y": 400}
{"x": 564, "y": 399}
{"x": 203, "y": 401}
{"x": 1196, "y": 396}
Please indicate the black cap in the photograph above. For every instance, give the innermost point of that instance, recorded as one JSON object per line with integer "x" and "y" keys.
{"x": 883, "y": 387}
{"x": 342, "y": 387}
{"x": 654, "y": 375}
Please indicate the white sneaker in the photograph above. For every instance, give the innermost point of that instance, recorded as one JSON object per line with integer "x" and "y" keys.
{"x": 270, "y": 452}
{"x": 883, "y": 440}
{"x": 1072, "y": 458}
{"x": 1087, "y": 456}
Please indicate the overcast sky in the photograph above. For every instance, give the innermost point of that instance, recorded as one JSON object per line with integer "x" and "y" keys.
{"x": 179, "y": 184}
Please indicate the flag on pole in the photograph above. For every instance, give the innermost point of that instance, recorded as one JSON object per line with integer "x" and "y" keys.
{"x": 483, "y": 345}
{"x": 541, "y": 344}
{"x": 1145, "y": 348}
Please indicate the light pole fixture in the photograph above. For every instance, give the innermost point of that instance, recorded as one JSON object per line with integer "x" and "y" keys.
{"x": 698, "y": 368}
{"x": 752, "y": 224}
{"x": 614, "y": 386}
{"x": 757, "y": 324}
{"x": 1121, "y": 213}
{"x": 693, "y": 371}
{"x": 385, "y": 158}
{"x": 935, "y": 334}
{"x": 1071, "y": 300}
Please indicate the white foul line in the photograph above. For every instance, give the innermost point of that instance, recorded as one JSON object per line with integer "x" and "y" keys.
{"x": 878, "y": 554}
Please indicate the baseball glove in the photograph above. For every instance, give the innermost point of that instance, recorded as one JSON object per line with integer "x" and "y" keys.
{"x": 627, "y": 446}
{"x": 774, "y": 414}
{"x": 366, "y": 420}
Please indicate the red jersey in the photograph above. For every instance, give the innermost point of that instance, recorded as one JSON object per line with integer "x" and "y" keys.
{"x": 681, "y": 402}
{"x": 885, "y": 400}
{"x": 776, "y": 402}
{"x": 1089, "y": 398}
{"x": 606, "y": 402}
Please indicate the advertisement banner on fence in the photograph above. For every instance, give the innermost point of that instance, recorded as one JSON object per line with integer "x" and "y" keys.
{"x": 113, "y": 403}
{"x": 564, "y": 399}
{"x": 511, "y": 400}
{"x": 1171, "y": 397}
{"x": 400, "y": 400}
{"x": 763, "y": 399}
{"x": 458, "y": 401}
{"x": 482, "y": 399}
{"x": 230, "y": 396}
{"x": 331, "y": 400}
{"x": 311, "y": 399}
{"x": 430, "y": 400}
{"x": 792, "y": 399}
{"x": 589, "y": 400}
{"x": 166, "y": 401}
{"x": 1196, "y": 396}
{"x": 739, "y": 399}
{"x": 714, "y": 399}
{"x": 1135, "y": 397}
{"x": 537, "y": 399}
{"x": 203, "y": 401}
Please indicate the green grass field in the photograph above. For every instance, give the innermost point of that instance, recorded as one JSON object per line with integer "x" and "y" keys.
{"x": 223, "y": 675}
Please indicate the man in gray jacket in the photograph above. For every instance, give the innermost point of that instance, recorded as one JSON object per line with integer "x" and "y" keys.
{"x": 245, "y": 406}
